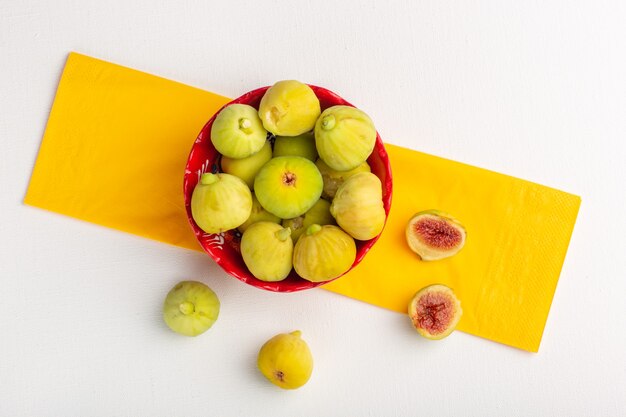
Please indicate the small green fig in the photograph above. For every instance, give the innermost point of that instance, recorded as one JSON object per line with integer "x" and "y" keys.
{"x": 302, "y": 145}
{"x": 323, "y": 253}
{"x": 247, "y": 168}
{"x": 190, "y": 308}
{"x": 237, "y": 131}
{"x": 267, "y": 251}
{"x": 358, "y": 206}
{"x": 220, "y": 202}
{"x": 345, "y": 137}
{"x": 289, "y": 108}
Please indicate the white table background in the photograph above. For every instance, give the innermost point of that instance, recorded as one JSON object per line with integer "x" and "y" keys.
{"x": 534, "y": 89}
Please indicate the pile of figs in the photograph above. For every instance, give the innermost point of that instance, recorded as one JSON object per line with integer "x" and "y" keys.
{"x": 295, "y": 183}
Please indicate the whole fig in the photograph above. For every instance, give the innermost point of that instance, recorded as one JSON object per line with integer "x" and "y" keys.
{"x": 220, "y": 202}
{"x": 345, "y": 137}
{"x": 323, "y": 253}
{"x": 286, "y": 360}
{"x": 267, "y": 251}
{"x": 237, "y": 131}
{"x": 289, "y": 108}
{"x": 358, "y": 206}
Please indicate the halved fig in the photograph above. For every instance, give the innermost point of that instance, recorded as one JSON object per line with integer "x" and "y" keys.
{"x": 435, "y": 311}
{"x": 434, "y": 235}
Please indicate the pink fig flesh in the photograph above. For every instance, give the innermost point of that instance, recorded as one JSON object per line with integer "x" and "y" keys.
{"x": 435, "y": 311}
{"x": 434, "y": 235}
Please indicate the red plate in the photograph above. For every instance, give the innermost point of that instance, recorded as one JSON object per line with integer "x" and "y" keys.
{"x": 224, "y": 247}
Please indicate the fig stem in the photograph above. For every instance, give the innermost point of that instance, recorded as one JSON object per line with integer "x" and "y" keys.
{"x": 296, "y": 333}
{"x": 186, "y": 307}
{"x": 312, "y": 229}
{"x": 328, "y": 122}
{"x": 245, "y": 124}
{"x": 209, "y": 178}
{"x": 283, "y": 234}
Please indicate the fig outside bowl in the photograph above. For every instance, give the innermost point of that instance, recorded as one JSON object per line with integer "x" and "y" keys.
{"x": 224, "y": 247}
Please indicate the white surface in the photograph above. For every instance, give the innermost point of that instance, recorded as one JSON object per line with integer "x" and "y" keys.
{"x": 533, "y": 89}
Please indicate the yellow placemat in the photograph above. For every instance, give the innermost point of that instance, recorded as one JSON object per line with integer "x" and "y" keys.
{"x": 114, "y": 152}
{"x": 115, "y": 147}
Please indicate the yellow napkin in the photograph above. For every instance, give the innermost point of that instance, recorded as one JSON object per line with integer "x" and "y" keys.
{"x": 114, "y": 153}
{"x": 115, "y": 149}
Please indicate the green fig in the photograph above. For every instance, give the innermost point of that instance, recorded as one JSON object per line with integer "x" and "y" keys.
{"x": 190, "y": 308}
{"x": 289, "y": 108}
{"x": 286, "y": 360}
{"x": 345, "y": 137}
{"x": 323, "y": 253}
{"x": 267, "y": 251}
{"x": 288, "y": 186}
{"x": 358, "y": 206}
{"x": 247, "y": 168}
{"x": 237, "y": 131}
{"x": 220, "y": 202}
{"x": 302, "y": 145}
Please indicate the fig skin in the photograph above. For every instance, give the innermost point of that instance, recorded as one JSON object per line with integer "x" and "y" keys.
{"x": 258, "y": 214}
{"x": 286, "y": 360}
{"x": 333, "y": 178}
{"x": 435, "y": 307}
{"x": 237, "y": 131}
{"x": 358, "y": 206}
{"x": 288, "y": 186}
{"x": 323, "y": 253}
{"x": 434, "y": 235}
{"x": 190, "y": 308}
{"x": 267, "y": 251}
{"x": 247, "y": 168}
{"x": 318, "y": 214}
{"x": 220, "y": 202}
{"x": 302, "y": 145}
{"x": 289, "y": 108}
{"x": 345, "y": 137}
